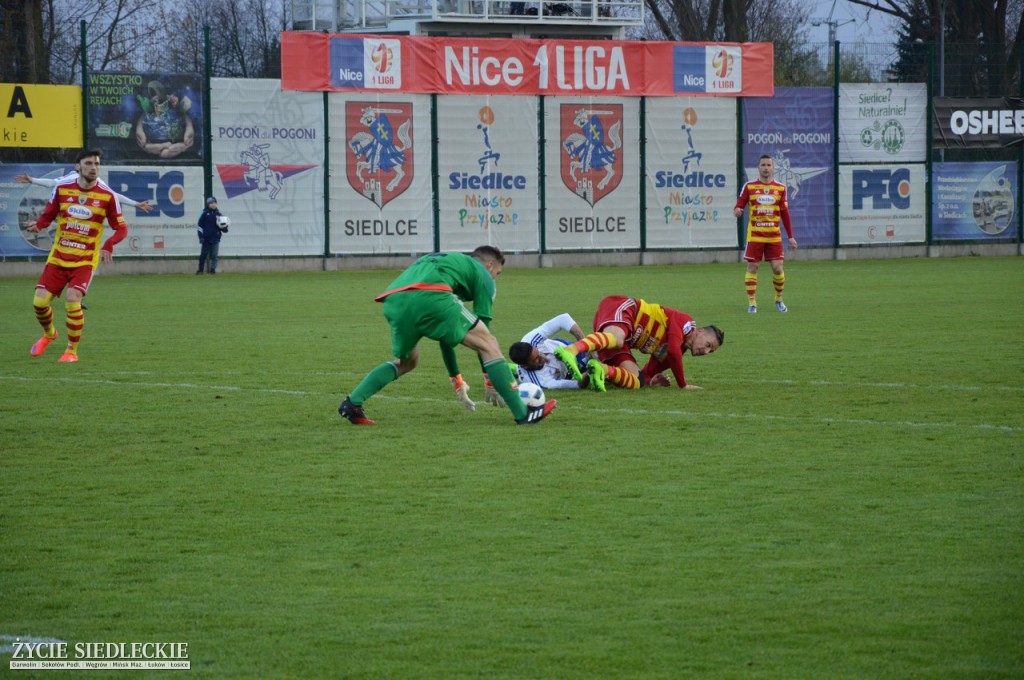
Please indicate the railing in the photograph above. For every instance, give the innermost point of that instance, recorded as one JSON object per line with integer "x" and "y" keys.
{"x": 355, "y": 14}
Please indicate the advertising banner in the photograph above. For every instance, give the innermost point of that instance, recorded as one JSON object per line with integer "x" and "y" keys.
{"x": 977, "y": 123}
{"x": 883, "y": 122}
{"x": 154, "y": 118}
{"x": 170, "y": 229}
{"x": 691, "y": 184}
{"x": 487, "y": 160}
{"x": 382, "y": 199}
{"x": 268, "y": 151}
{"x": 41, "y": 116}
{"x": 374, "y": 63}
{"x": 882, "y": 204}
{"x": 592, "y": 167}
{"x": 795, "y": 128}
{"x": 974, "y": 201}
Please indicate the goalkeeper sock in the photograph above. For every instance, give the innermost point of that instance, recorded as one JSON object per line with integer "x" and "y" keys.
{"x": 620, "y": 377}
{"x": 504, "y": 383}
{"x": 779, "y": 281}
{"x": 374, "y": 382}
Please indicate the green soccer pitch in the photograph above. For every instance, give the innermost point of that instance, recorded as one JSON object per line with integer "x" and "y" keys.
{"x": 844, "y": 499}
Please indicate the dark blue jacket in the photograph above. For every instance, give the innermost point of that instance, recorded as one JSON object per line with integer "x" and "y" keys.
{"x": 207, "y": 228}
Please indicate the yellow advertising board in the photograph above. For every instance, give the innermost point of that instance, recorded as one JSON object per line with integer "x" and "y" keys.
{"x": 40, "y": 115}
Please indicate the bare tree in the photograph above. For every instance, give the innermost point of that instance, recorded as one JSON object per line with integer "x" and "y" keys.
{"x": 26, "y": 54}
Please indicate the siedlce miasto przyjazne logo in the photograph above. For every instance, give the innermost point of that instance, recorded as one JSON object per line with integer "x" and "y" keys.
{"x": 33, "y": 653}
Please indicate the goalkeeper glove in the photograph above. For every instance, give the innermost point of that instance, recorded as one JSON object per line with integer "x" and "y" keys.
{"x": 461, "y": 388}
{"x": 491, "y": 395}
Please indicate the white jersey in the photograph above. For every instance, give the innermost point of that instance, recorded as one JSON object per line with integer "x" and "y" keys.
{"x": 554, "y": 375}
{"x": 72, "y": 176}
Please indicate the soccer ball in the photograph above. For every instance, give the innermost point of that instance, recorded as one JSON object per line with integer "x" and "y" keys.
{"x": 532, "y": 395}
{"x": 223, "y": 221}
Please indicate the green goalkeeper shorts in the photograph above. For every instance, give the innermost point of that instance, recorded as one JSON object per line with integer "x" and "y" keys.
{"x": 416, "y": 314}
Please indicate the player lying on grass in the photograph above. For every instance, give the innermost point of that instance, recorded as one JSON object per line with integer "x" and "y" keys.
{"x": 623, "y": 324}
{"x": 428, "y": 300}
{"x": 536, "y": 360}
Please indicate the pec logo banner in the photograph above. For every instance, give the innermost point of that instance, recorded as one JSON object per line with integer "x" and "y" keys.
{"x": 591, "y": 162}
{"x": 165, "y": 190}
{"x": 883, "y": 188}
{"x": 380, "y": 163}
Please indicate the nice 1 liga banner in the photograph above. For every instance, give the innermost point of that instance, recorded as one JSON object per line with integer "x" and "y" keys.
{"x": 380, "y": 174}
{"x": 487, "y": 160}
{"x": 691, "y": 185}
{"x": 267, "y": 162}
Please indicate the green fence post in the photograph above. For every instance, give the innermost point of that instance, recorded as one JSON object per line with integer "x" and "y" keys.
{"x": 207, "y": 124}
{"x": 643, "y": 174}
{"x": 929, "y": 151}
{"x": 85, "y": 86}
{"x": 435, "y": 169}
{"x": 835, "y": 147}
{"x": 542, "y": 205}
{"x": 739, "y": 164}
{"x": 327, "y": 181}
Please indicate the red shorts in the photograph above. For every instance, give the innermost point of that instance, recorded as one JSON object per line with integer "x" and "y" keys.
{"x": 615, "y": 310}
{"x": 54, "y": 279}
{"x": 757, "y": 251}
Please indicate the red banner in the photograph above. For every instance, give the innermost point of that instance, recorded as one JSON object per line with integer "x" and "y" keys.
{"x": 374, "y": 63}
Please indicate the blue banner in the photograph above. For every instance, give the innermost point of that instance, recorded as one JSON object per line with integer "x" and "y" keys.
{"x": 974, "y": 201}
{"x": 795, "y": 128}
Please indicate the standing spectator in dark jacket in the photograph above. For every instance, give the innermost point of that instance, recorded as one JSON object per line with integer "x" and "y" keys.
{"x": 210, "y": 227}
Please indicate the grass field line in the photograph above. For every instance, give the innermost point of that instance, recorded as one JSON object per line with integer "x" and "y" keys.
{"x": 889, "y": 385}
{"x": 623, "y": 411}
{"x": 761, "y": 381}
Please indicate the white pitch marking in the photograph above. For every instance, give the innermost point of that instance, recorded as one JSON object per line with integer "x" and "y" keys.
{"x": 901, "y": 386}
{"x": 627, "y": 411}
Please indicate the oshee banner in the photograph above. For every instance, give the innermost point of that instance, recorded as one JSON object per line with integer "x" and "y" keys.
{"x": 147, "y": 117}
{"x": 974, "y": 201}
{"x": 380, "y": 167}
{"x": 691, "y": 185}
{"x": 883, "y": 122}
{"x": 319, "y": 61}
{"x": 487, "y": 160}
{"x": 592, "y": 165}
{"x": 882, "y": 204}
{"x": 267, "y": 160}
{"x": 168, "y": 230}
{"x": 795, "y": 128}
{"x": 977, "y": 123}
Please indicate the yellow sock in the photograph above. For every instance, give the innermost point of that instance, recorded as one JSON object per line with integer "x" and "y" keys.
{"x": 76, "y": 321}
{"x": 593, "y": 343}
{"x": 779, "y": 281}
{"x": 750, "y": 281}
{"x": 44, "y": 314}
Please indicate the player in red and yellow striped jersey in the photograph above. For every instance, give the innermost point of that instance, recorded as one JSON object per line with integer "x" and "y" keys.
{"x": 768, "y": 207}
{"x": 80, "y": 207}
{"x": 623, "y": 324}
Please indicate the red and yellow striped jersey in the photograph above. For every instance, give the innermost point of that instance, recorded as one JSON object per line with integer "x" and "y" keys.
{"x": 768, "y": 206}
{"x": 80, "y": 214}
{"x": 660, "y": 331}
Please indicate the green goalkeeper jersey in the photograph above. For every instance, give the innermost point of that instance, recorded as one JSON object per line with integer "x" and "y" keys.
{"x": 461, "y": 274}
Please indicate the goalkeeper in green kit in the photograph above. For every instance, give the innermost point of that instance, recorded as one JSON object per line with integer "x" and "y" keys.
{"x": 428, "y": 300}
